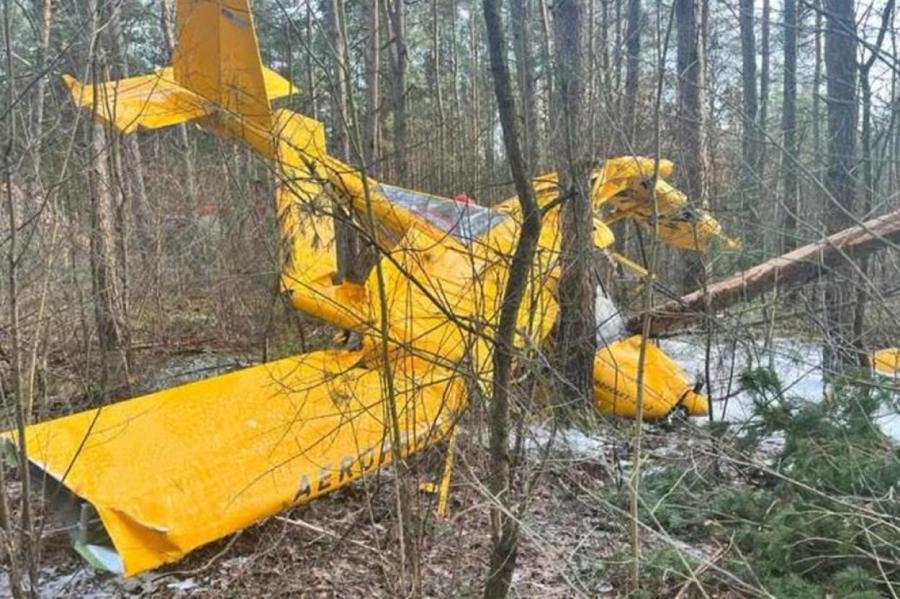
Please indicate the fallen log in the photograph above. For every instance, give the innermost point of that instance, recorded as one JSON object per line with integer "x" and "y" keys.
{"x": 788, "y": 270}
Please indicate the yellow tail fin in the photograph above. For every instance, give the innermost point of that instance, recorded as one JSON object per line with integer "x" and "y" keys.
{"x": 217, "y": 57}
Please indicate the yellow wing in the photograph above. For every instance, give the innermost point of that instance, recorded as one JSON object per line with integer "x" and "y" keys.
{"x": 174, "y": 470}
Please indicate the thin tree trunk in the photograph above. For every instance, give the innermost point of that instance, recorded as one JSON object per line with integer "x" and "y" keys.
{"x": 749, "y": 181}
{"x": 44, "y": 29}
{"x": 632, "y": 69}
{"x": 396, "y": 10}
{"x": 763, "y": 97}
{"x": 373, "y": 74}
{"x": 474, "y": 106}
{"x": 790, "y": 145}
{"x": 520, "y": 12}
{"x": 27, "y": 549}
{"x": 135, "y": 192}
{"x": 547, "y": 59}
{"x": 346, "y": 238}
{"x": 108, "y": 316}
{"x": 438, "y": 93}
{"x": 817, "y": 88}
{"x": 311, "y": 93}
{"x": 505, "y": 527}
{"x": 341, "y": 84}
{"x": 190, "y": 174}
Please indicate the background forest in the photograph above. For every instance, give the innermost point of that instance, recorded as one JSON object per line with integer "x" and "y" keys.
{"x": 134, "y": 262}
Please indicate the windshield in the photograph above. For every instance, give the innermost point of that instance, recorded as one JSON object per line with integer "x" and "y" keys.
{"x": 465, "y": 221}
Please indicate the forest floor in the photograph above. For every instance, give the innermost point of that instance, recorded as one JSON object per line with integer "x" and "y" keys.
{"x": 343, "y": 545}
{"x": 575, "y": 538}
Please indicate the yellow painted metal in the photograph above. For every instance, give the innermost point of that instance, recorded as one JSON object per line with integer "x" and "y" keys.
{"x": 153, "y": 101}
{"x": 217, "y": 57}
{"x": 444, "y": 488}
{"x": 666, "y": 386}
{"x": 628, "y": 194}
{"x": 173, "y": 470}
{"x": 887, "y": 361}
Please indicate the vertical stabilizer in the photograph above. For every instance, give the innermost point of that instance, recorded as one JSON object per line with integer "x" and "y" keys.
{"x": 217, "y": 57}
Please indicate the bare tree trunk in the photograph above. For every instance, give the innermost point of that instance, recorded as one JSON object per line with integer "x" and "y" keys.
{"x": 133, "y": 163}
{"x": 547, "y": 58}
{"x": 576, "y": 341}
{"x": 373, "y": 73}
{"x": 749, "y": 181}
{"x": 763, "y": 97}
{"x": 346, "y": 238}
{"x": 396, "y": 10}
{"x": 340, "y": 83}
{"x": 869, "y": 183}
{"x": 107, "y": 303}
{"x": 27, "y": 549}
{"x": 108, "y": 314}
{"x": 521, "y": 16}
{"x": 474, "y": 105}
{"x": 790, "y": 145}
{"x": 632, "y": 68}
{"x": 311, "y": 92}
{"x": 457, "y": 138}
{"x": 817, "y": 87}
{"x": 44, "y": 28}
{"x": 840, "y": 66}
{"x": 691, "y": 121}
{"x": 504, "y": 525}
{"x": 190, "y": 174}
{"x": 438, "y": 92}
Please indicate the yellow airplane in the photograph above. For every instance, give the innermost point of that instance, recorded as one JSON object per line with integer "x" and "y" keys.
{"x": 886, "y": 361}
{"x": 157, "y": 476}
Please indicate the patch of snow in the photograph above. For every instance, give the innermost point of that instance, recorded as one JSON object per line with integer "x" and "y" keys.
{"x": 610, "y": 324}
{"x": 577, "y": 442}
{"x": 183, "y": 586}
{"x": 797, "y": 363}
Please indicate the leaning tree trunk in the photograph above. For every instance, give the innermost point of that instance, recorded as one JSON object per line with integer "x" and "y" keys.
{"x": 787, "y": 271}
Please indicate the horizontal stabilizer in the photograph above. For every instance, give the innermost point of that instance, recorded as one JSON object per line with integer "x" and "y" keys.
{"x": 154, "y": 101}
{"x": 147, "y": 101}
